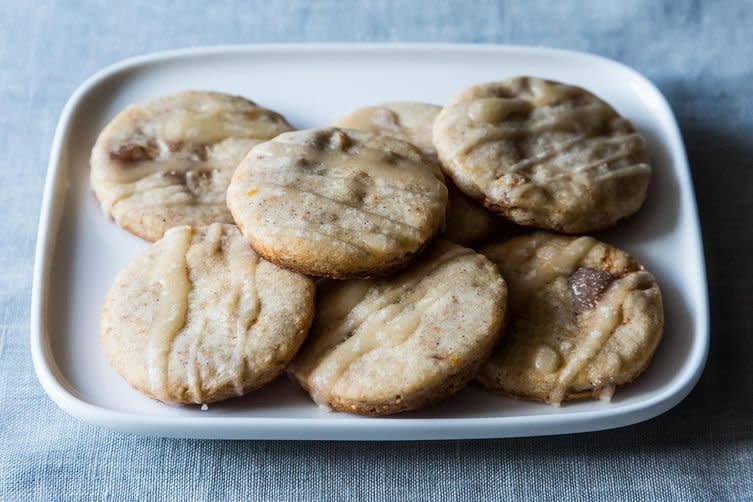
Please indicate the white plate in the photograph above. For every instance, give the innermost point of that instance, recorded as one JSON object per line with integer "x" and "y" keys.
{"x": 79, "y": 251}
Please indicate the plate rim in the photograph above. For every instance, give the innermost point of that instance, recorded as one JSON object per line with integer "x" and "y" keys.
{"x": 348, "y": 428}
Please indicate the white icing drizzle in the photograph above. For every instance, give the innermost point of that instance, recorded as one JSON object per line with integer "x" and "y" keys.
{"x": 210, "y": 126}
{"x": 369, "y": 228}
{"x": 546, "y": 174}
{"x": 603, "y": 320}
{"x": 388, "y": 327}
{"x": 625, "y": 171}
{"x": 372, "y": 216}
{"x": 375, "y": 119}
{"x": 170, "y": 274}
{"x": 132, "y": 172}
{"x": 586, "y": 119}
{"x": 490, "y": 113}
{"x": 549, "y": 94}
{"x": 497, "y": 109}
{"x": 375, "y": 320}
{"x": 606, "y": 393}
{"x": 247, "y": 304}
{"x": 564, "y": 147}
{"x": 604, "y": 162}
{"x": 201, "y": 121}
{"x": 193, "y": 371}
{"x": 343, "y": 297}
{"x": 376, "y": 162}
{"x": 563, "y": 263}
{"x": 613, "y": 362}
{"x": 332, "y": 331}
{"x": 411, "y": 122}
{"x": 547, "y": 359}
{"x": 213, "y": 238}
{"x": 548, "y": 155}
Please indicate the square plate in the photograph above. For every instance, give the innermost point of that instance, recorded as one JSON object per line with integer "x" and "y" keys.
{"x": 79, "y": 251}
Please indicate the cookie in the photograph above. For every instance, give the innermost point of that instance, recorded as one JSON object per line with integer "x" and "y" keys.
{"x": 585, "y": 318}
{"x": 543, "y": 154}
{"x": 199, "y": 317}
{"x": 338, "y": 203}
{"x": 467, "y": 222}
{"x": 383, "y": 346}
{"x": 406, "y": 120}
{"x": 168, "y": 162}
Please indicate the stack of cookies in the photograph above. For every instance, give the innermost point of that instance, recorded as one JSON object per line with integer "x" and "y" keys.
{"x": 384, "y": 262}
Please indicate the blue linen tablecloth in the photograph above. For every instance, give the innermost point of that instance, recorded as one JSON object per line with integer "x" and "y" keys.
{"x": 700, "y": 54}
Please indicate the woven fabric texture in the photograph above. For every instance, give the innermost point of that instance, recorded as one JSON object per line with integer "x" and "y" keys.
{"x": 699, "y": 55}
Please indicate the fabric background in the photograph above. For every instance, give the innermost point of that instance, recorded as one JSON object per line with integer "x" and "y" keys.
{"x": 698, "y": 53}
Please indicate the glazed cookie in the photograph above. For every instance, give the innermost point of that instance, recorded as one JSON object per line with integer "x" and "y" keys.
{"x": 467, "y": 222}
{"x": 585, "y": 318}
{"x": 199, "y": 317}
{"x": 385, "y": 346}
{"x": 409, "y": 121}
{"x": 543, "y": 154}
{"x": 338, "y": 203}
{"x": 168, "y": 162}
